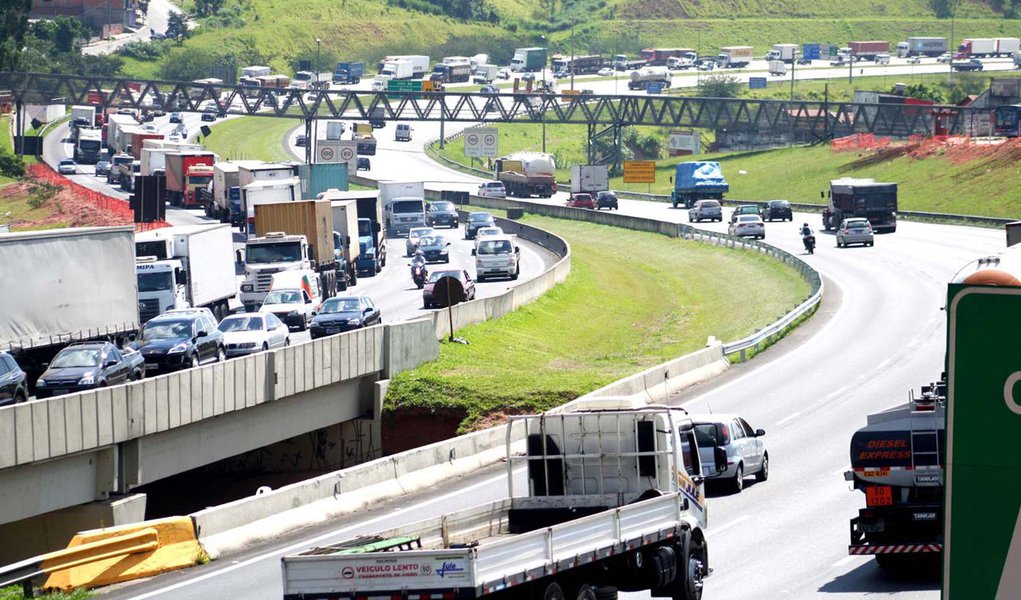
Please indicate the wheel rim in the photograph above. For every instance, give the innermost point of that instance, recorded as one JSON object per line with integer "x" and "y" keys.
{"x": 765, "y": 466}
{"x": 739, "y": 478}
{"x": 696, "y": 571}
{"x": 221, "y": 355}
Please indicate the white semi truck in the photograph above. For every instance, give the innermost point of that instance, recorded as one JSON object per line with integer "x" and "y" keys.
{"x": 614, "y": 502}
{"x": 267, "y": 255}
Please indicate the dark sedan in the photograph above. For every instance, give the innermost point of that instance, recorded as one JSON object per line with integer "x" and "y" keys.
{"x": 341, "y": 314}
{"x": 445, "y": 288}
{"x": 102, "y": 168}
{"x": 443, "y": 213}
{"x": 13, "y": 381}
{"x": 434, "y": 248}
{"x": 88, "y": 365}
{"x": 476, "y": 221}
{"x": 777, "y": 209}
{"x": 606, "y": 200}
{"x": 180, "y": 340}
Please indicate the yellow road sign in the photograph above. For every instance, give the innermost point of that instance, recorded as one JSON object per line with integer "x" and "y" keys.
{"x": 639, "y": 171}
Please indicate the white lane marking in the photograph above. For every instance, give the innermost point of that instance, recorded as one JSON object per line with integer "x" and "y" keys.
{"x": 790, "y": 418}
{"x": 883, "y": 364}
{"x": 832, "y": 395}
{"x": 844, "y": 561}
{"x": 304, "y": 544}
{"x": 733, "y": 523}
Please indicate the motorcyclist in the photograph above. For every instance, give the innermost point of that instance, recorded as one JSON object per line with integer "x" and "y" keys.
{"x": 418, "y": 260}
{"x": 805, "y": 230}
{"x": 807, "y": 238}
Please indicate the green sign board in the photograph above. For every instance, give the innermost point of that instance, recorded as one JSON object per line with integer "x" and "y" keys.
{"x": 403, "y": 85}
{"x": 982, "y": 549}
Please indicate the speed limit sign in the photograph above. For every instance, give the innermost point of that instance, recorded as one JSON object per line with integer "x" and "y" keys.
{"x": 347, "y": 154}
{"x": 480, "y": 141}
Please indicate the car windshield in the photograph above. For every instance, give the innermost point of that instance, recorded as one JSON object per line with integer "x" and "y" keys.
{"x": 241, "y": 323}
{"x": 283, "y": 297}
{"x": 419, "y": 233}
{"x": 67, "y": 161}
{"x": 488, "y": 231}
{"x": 166, "y": 330}
{"x": 341, "y": 305}
{"x": 273, "y": 253}
{"x": 76, "y": 357}
{"x": 857, "y": 224}
{"x": 441, "y": 206}
{"x": 428, "y": 241}
{"x": 705, "y": 435}
{"x": 495, "y": 247}
{"x": 436, "y": 275}
{"x": 155, "y": 282}
{"x": 711, "y": 204}
{"x": 480, "y": 217}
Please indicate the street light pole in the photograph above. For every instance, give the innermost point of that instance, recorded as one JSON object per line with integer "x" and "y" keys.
{"x": 315, "y": 130}
{"x": 572, "y": 57}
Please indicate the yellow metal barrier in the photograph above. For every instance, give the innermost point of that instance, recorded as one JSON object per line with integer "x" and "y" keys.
{"x": 104, "y": 556}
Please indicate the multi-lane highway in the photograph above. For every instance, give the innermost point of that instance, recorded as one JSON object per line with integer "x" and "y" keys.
{"x": 878, "y": 333}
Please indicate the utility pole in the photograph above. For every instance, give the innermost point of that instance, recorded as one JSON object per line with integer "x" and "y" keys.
{"x": 314, "y": 141}
{"x": 572, "y": 57}
{"x": 794, "y": 62}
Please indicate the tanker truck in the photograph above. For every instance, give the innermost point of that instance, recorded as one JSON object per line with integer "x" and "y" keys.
{"x": 527, "y": 174}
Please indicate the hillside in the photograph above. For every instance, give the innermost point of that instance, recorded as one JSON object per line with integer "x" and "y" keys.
{"x": 279, "y": 32}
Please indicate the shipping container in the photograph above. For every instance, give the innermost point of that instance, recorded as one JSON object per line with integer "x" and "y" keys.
{"x": 310, "y": 218}
{"x": 317, "y": 178}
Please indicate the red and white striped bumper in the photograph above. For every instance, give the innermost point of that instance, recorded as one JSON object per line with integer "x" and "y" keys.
{"x": 895, "y": 549}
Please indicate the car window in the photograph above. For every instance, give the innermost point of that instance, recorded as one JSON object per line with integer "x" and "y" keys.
{"x": 737, "y": 430}
{"x": 705, "y": 435}
{"x": 5, "y": 366}
{"x": 688, "y": 456}
{"x": 272, "y": 322}
{"x": 748, "y": 428}
{"x": 114, "y": 354}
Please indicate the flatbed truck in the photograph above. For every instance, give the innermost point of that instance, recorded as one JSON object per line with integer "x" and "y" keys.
{"x": 614, "y": 502}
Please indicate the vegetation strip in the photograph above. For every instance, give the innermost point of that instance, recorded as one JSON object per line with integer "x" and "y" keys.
{"x": 633, "y": 300}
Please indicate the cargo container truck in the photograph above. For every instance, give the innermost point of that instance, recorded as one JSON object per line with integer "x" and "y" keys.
{"x": 589, "y": 179}
{"x": 451, "y": 73}
{"x": 787, "y": 53}
{"x": 419, "y": 62}
{"x": 486, "y": 74}
{"x": 613, "y": 501}
{"x": 65, "y": 301}
{"x": 698, "y": 180}
{"x": 869, "y": 50}
{"x": 865, "y": 198}
{"x": 657, "y": 57}
{"x": 83, "y": 116}
{"x": 1007, "y": 47}
{"x": 922, "y": 46}
{"x": 565, "y": 66}
{"x": 734, "y": 57}
{"x": 346, "y": 245}
{"x": 187, "y": 174}
{"x": 777, "y": 68}
{"x": 188, "y": 266}
{"x": 138, "y": 138}
{"x": 224, "y": 204}
{"x": 529, "y": 60}
{"x": 347, "y": 73}
{"x": 365, "y": 142}
{"x": 311, "y": 219}
{"x": 526, "y": 174}
{"x": 403, "y": 206}
{"x": 265, "y": 191}
{"x": 88, "y": 145}
{"x": 269, "y": 254}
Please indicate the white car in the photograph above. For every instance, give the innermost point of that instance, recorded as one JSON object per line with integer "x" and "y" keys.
{"x": 67, "y": 166}
{"x": 415, "y": 234}
{"x": 486, "y": 232}
{"x": 748, "y": 226}
{"x": 253, "y": 332}
{"x": 605, "y": 72}
{"x": 503, "y": 73}
{"x": 492, "y": 189}
{"x": 944, "y": 58}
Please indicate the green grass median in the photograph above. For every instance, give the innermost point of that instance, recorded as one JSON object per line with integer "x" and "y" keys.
{"x": 251, "y": 138}
{"x": 632, "y": 300}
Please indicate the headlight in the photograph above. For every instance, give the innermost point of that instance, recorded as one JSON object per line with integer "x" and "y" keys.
{"x": 40, "y": 383}
{"x": 353, "y": 321}
{"x": 87, "y": 379}
{"x": 293, "y": 313}
{"x": 178, "y": 348}
{"x": 443, "y": 251}
{"x": 247, "y": 287}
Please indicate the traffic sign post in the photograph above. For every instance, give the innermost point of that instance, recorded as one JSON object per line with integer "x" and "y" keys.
{"x": 403, "y": 85}
{"x": 639, "y": 171}
{"x": 982, "y": 526}
{"x": 481, "y": 142}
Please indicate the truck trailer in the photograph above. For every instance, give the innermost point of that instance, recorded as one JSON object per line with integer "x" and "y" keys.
{"x": 640, "y": 79}
{"x": 348, "y": 72}
{"x": 865, "y": 198}
{"x": 657, "y": 57}
{"x": 187, "y": 173}
{"x": 614, "y": 501}
{"x": 529, "y": 60}
{"x": 589, "y": 179}
{"x": 311, "y": 219}
{"x": 527, "y": 174}
{"x": 869, "y": 50}
{"x": 458, "y": 73}
{"x": 698, "y": 180}
{"x": 188, "y": 266}
{"x": 922, "y": 46}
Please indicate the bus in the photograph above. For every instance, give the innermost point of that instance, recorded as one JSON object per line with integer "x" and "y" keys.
{"x": 1007, "y": 120}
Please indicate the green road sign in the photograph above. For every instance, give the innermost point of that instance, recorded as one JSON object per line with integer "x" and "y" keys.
{"x": 982, "y": 551}
{"x": 403, "y": 85}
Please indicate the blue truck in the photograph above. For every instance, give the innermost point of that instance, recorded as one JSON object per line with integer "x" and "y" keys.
{"x": 698, "y": 180}
{"x": 348, "y": 72}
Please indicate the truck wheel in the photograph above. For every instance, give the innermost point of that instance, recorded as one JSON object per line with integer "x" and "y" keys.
{"x": 587, "y": 592}
{"x": 606, "y": 592}
{"x": 553, "y": 592}
{"x": 341, "y": 284}
{"x": 354, "y": 277}
{"x": 696, "y": 561}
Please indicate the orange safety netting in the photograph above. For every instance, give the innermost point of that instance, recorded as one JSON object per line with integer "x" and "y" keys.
{"x": 859, "y": 141}
{"x": 109, "y": 204}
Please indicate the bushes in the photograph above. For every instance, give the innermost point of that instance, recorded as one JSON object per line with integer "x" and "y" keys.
{"x": 11, "y": 165}
{"x": 145, "y": 50}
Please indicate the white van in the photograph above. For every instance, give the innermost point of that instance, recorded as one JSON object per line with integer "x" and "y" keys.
{"x": 294, "y": 297}
{"x": 497, "y": 256}
{"x": 403, "y": 133}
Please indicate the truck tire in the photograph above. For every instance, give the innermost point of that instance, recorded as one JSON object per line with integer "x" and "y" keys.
{"x": 553, "y": 592}
{"x": 606, "y": 592}
{"x": 587, "y": 592}
{"x": 341, "y": 284}
{"x": 696, "y": 560}
{"x": 353, "y": 281}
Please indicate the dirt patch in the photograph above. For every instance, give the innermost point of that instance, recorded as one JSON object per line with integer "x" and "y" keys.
{"x": 66, "y": 208}
{"x": 957, "y": 150}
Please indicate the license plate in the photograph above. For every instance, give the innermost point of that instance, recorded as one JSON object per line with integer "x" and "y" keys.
{"x": 876, "y": 472}
{"x": 881, "y": 495}
{"x": 151, "y": 367}
{"x": 59, "y": 391}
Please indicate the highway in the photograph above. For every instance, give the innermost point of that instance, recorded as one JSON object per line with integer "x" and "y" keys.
{"x": 879, "y": 333}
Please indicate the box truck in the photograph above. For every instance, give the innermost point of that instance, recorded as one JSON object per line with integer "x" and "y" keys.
{"x": 733, "y": 57}
{"x": 528, "y": 60}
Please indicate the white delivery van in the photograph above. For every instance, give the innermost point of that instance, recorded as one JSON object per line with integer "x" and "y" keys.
{"x": 497, "y": 256}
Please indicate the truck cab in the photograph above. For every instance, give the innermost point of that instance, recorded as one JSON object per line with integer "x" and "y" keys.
{"x": 294, "y": 297}
{"x": 497, "y": 256}
{"x": 267, "y": 255}
{"x": 402, "y": 213}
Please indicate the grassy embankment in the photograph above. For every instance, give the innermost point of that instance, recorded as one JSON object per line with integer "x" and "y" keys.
{"x": 617, "y": 314}
{"x": 14, "y": 592}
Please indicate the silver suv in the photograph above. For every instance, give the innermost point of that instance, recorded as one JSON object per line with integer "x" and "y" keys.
{"x": 730, "y": 443}
{"x": 705, "y": 210}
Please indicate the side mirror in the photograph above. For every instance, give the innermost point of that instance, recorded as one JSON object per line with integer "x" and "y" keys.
{"x": 720, "y": 457}
{"x": 314, "y": 313}
{"x": 517, "y": 250}
{"x": 367, "y": 310}
{"x": 448, "y": 243}
{"x": 760, "y": 432}
{"x": 473, "y": 251}
{"x": 201, "y": 334}
{"x": 109, "y": 363}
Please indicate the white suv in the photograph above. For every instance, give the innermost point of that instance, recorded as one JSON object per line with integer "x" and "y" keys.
{"x": 492, "y": 189}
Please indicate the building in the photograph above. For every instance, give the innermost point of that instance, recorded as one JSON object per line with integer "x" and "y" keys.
{"x": 108, "y": 16}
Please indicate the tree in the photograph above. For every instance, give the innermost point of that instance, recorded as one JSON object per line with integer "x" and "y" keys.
{"x": 719, "y": 86}
{"x": 188, "y": 64}
{"x": 177, "y": 26}
{"x": 208, "y": 8}
{"x": 67, "y": 31}
{"x": 13, "y": 26}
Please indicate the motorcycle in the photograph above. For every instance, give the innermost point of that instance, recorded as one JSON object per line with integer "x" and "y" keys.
{"x": 419, "y": 274}
{"x": 809, "y": 241}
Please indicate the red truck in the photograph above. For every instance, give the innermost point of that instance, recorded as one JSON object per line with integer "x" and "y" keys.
{"x": 188, "y": 173}
{"x": 140, "y": 136}
{"x": 658, "y": 56}
{"x": 869, "y": 50}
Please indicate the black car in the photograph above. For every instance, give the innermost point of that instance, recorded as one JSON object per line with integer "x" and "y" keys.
{"x": 341, "y": 314}
{"x": 442, "y": 213}
{"x": 208, "y": 116}
{"x": 301, "y": 141}
{"x": 777, "y": 209}
{"x": 13, "y": 381}
{"x": 606, "y": 200}
{"x": 180, "y": 339}
{"x": 86, "y": 366}
{"x": 476, "y": 221}
{"x": 434, "y": 248}
{"x": 363, "y": 164}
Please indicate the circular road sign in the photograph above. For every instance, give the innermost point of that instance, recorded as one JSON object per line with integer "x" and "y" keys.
{"x": 489, "y": 140}
{"x": 347, "y": 154}
{"x": 472, "y": 139}
{"x": 326, "y": 153}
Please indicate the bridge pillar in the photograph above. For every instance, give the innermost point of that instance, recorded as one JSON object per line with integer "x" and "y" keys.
{"x": 605, "y": 146}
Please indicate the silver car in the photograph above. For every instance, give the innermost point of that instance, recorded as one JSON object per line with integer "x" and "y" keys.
{"x": 705, "y": 210}
{"x": 730, "y": 449}
{"x": 855, "y": 231}
{"x": 748, "y": 226}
